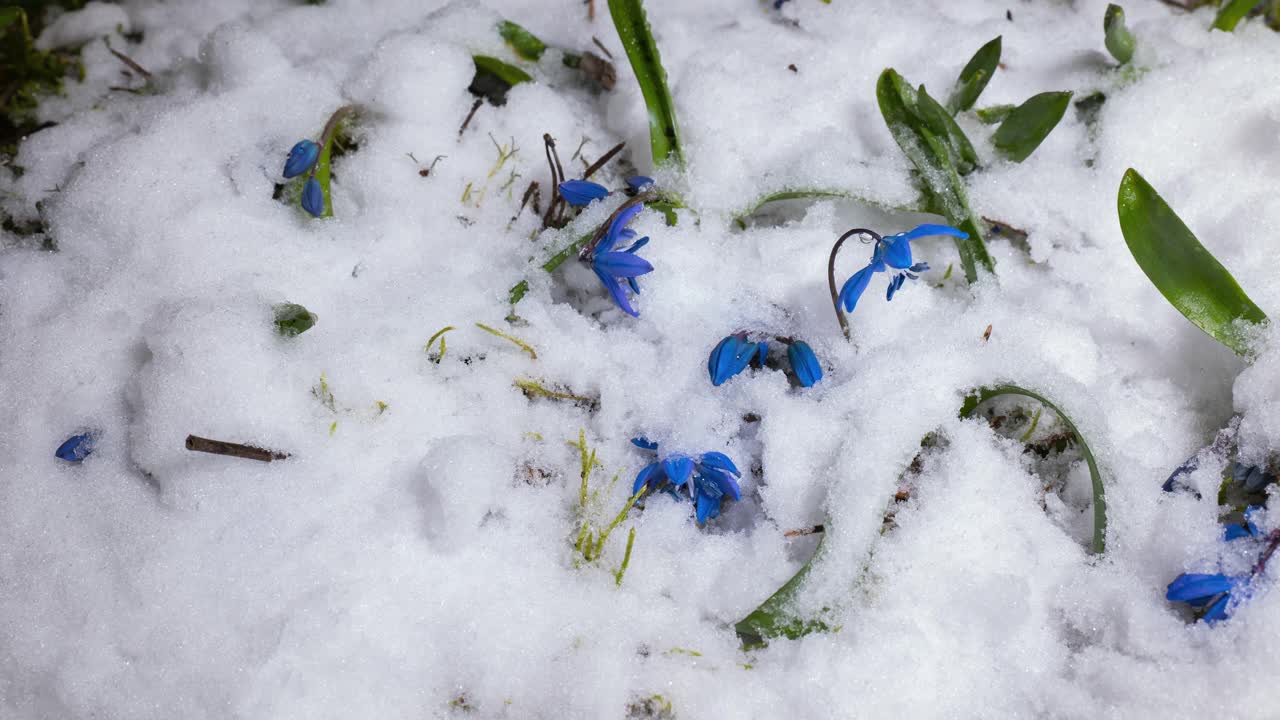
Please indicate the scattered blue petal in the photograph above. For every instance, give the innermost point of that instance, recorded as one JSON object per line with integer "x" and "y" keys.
{"x": 580, "y": 193}
{"x": 313, "y": 197}
{"x": 804, "y": 363}
{"x": 76, "y": 447}
{"x": 644, "y": 443}
{"x": 301, "y": 158}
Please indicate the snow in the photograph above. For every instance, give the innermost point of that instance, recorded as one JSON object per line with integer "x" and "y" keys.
{"x": 417, "y": 560}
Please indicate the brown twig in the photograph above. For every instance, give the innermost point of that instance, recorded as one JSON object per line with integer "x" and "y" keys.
{"x": 603, "y": 159}
{"x": 600, "y": 45}
{"x": 220, "y": 447}
{"x": 474, "y": 108}
{"x": 591, "y": 10}
{"x": 805, "y": 531}
{"x": 530, "y": 192}
{"x": 557, "y": 177}
{"x": 130, "y": 62}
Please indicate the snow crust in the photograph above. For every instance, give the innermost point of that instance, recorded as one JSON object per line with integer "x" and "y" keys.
{"x": 416, "y": 561}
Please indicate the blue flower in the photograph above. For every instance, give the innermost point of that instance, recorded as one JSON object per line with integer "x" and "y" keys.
{"x": 732, "y": 355}
{"x": 76, "y": 447}
{"x": 580, "y": 193}
{"x": 1201, "y": 590}
{"x": 1251, "y": 477}
{"x": 313, "y": 197}
{"x": 1236, "y": 531}
{"x": 804, "y": 363}
{"x": 302, "y": 156}
{"x": 612, "y": 265}
{"x": 892, "y": 251}
{"x": 639, "y": 183}
{"x": 706, "y": 481}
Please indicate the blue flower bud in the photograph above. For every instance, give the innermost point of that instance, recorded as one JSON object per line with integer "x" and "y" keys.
{"x": 804, "y": 363}
{"x": 76, "y": 447}
{"x": 580, "y": 193}
{"x": 639, "y": 183}
{"x": 731, "y": 356}
{"x": 301, "y": 158}
{"x": 313, "y": 197}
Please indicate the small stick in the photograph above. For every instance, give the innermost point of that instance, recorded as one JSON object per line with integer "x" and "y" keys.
{"x": 805, "y": 531}
{"x": 591, "y": 10}
{"x": 474, "y": 108}
{"x": 130, "y": 62}
{"x": 219, "y": 447}
{"x": 603, "y": 159}
{"x": 600, "y": 45}
{"x": 987, "y": 335}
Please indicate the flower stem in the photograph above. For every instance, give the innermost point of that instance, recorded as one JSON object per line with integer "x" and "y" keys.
{"x": 831, "y": 275}
{"x": 1273, "y": 541}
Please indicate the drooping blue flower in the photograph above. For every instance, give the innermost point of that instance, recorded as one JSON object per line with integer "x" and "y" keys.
{"x": 731, "y": 356}
{"x": 76, "y": 447}
{"x": 302, "y": 157}
{"x": 611, "y": 265}
{"x": 892, "y": 252}
{"x": 804, "y": 363}
{"x": 706, "y": 481}
{"x": 313, "y": 197}
{"x": 580, "y": 193}
{"x": 639, "y": 183}
{"x": 1211, "y": 590}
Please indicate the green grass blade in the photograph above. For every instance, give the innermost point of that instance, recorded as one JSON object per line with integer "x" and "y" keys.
{"x": 1187, "y": 274}
{"x": 1232, "y": 13}
{"x": 975, "y": 76}
{"x": 981, "y": 395}
{"x": 941, "y": 180}
{"x": 642, "y": 51}
{"x": 776, "y": 616}
{"x": 1119, "y": 40}
{"x": 1029, "y": 124}
{"x": 525, "y": 43}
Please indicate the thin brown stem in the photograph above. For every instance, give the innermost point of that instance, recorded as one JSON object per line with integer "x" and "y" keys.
{"x": 474, "y": 107}
{"x": 557, "y": 177}
{"x": 220, "y": 447}
{"x": 600, "y": 45}
{"x": 831, "y": 275}
{"x": 603, "y": 160}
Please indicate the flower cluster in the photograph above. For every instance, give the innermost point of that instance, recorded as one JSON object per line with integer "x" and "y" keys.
{"x": 736, "y": 353}
{"x": 705, "y": 481}
{"x": 1217, "y": 595}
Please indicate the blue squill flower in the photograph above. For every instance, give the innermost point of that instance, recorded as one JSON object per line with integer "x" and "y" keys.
{"x": 313, "y": 197}
{"x": 1221, "y": 593}
{"x": 732, "y": 355}
{"x": 706, "y": 481}
{"x": 639, "y": 183}
{"x": 804, "y": 363}
{"x": 1206, "y": 590}
{"x": 892, "y": 252}
{"x": 301, "y": 158}
{"x": 76, "y": 447}
{"x": 611, "y": 265}
{"x": 580, "y": 193}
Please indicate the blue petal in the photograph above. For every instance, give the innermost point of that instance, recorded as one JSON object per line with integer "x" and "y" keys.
{"x": 762, "y": 352}
{"x": 1233, "y": 531}
{"x": 897, "y": 252}
{"x": 679, "y": 469}
{"x": 721, "y": 483}
{"x": 644, "y": 443}
{"x": 1193, "y": 586}
{"x": 313, "y": 197}
{"x": 708, "y": 508}
{"x": 719, "y": 461}
{"x": 894, "y": 285}
{"x": 75, "y": 448}
{"x": 580, "y": 193}
{"x": 618, "y": 227}
{"x": 637, "y": 244}
{"x": 635, "y": 286}
{"x": 639, "y": 183}
{"x": 1217, "y": 611}
{"x": 727, "y": 359}
{"x": 920, "y": 231}
{"x": 919, "y": 267}
{"x": 617, "y": 293}
{"x": 621, "y": 264}
{"x": 804, "y": 363}
{"x": 856, "y": 285}
{"x": 650, "y": 475}
{"x": 301, "y": 157}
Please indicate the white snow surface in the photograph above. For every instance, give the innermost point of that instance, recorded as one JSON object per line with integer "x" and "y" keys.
{"x": 418, "y": 562}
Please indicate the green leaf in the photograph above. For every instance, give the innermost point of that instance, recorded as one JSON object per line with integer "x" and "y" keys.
{"x": 994, "y": 114}
{"x": 1029, "y": 124}
{"x": 1232, "y": 13}
{"x": 509, "y": 74}
{"x": 942, "y": 124}
{"x": 292, "y": 319}
{"x": 981, "y": 395}
{"x": 932, "y": 159}
{"x": 1187, "y": 274}
{"x": 1119, "y": 40}
{"x": 525, "y": 43}
{"x": 975, "y": 76}
{"x": 776, "y": 616}
{"x": 642, "y": 51}
{"x": 811, "y": 194}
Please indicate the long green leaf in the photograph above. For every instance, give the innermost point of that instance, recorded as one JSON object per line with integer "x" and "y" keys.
{"x": 1187, "y": 274}
{"x": 1029, "y": 124}
{"x": 946, "y": 192}
{"x": 1119, "y": 40}
{"x": 510, "y": 74}
{"x": 642, "y": 51}
{"x": 981, "y": 395}
{"x": 1232, "y": 13}
{"x": 943, "y": 125}
{"x": 975, "y": 76}
{"x": 776, "y": 616}
{"x": 812, "y": 194}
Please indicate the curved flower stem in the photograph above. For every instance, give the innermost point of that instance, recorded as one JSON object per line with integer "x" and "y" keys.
{"x": 831, "y": 275}
{"x": 1273, "y": 541}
